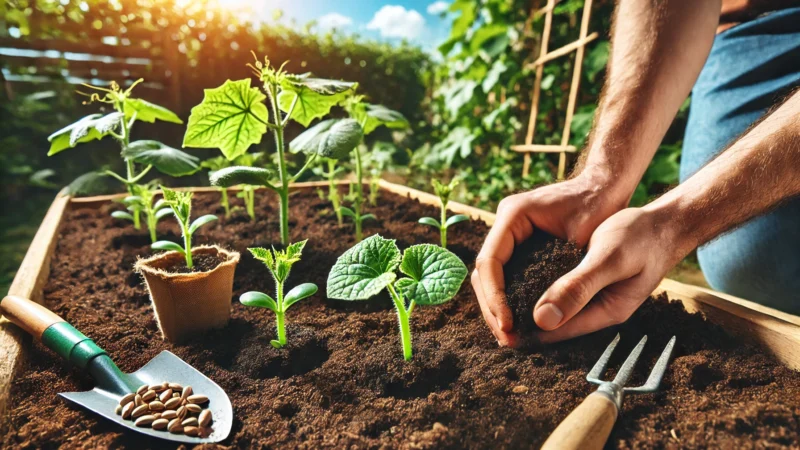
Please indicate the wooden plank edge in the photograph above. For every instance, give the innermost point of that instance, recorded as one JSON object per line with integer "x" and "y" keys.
{"x": 29, "y": 283}
{"x": 430, "y": 199}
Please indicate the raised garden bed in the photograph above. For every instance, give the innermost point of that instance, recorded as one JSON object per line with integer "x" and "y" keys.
{"x": 341, "y": 382}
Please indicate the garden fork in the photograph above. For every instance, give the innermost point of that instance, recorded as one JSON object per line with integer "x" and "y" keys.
{"x": 588, "y": 426}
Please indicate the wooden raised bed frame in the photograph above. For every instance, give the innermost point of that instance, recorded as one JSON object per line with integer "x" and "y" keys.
{"x": 777, "y": 332}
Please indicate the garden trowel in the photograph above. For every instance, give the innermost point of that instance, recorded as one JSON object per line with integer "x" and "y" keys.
{"x": 112, "y": 383}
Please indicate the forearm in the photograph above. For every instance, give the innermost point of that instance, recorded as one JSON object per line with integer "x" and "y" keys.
{"x": 658, "y": 50}
{"x": 754, "y": 175}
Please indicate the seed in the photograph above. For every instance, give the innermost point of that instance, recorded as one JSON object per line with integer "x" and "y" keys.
{"x": 190, "y": 422}
{"x": 142, "y": 389}
{"x": 176, "y": 395}
{"x": 166, "y": 395}
{"x": 521, "y": 389}
{"x": 187, "y": 391}
{"x": 140, "y": 411}
{"x": 127, "y": 410}
{"x": 175, "y": 387}
{"x": 192, "y": 408}
{"x": 173, "y": 403}
{"x": 169, "y": 414}
{"x": 191, "y": 431}
{"x": 197, "y": 399}
{"x": 149, "y": 396}
{"x": 118, "y": 410}
{"x": 156, "y": 406}
{"x": 138, "y": 400}
{"x": 157, "y": 387}
{"x": 127, "y": 399}
{"x": 205, "y": 418}
{"x": 156, "y": 415}
{"x": 175, "y": 426}
{"x": 181, "y": 413}
{"x": 160, "y": 424}
{"x": 144, "y": 421}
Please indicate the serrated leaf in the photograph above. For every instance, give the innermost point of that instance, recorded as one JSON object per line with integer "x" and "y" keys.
{"x": 168, "y": 246}
{"x": 456, "y": 219}
{"x": 332, "y": 138}
{"x": 430, "y": 221}
{"x": 165, "y": 159}
{"x": 298, "y": 293}
{"x": 89, "y": 128}
{"x": 231, "y": 117}
{"x": 258, "y": 299}
{"x": 148, "y": 112}
{"x": 122, "y": 215}
{"x": 364, "y": 270}
{"x": 231, "y": 176}
{"x": 200, "y": 221}
{"x": 435, "y": 274}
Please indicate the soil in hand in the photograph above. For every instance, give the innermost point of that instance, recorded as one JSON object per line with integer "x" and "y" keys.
{"x": 534, "y": 266}
{"x": 341, "y": 382}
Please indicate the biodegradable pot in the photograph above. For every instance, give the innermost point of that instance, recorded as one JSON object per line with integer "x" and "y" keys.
{"x": 189, "y": 303}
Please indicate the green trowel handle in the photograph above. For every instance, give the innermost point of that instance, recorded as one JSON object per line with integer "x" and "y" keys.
{"x": 51, "y": 329}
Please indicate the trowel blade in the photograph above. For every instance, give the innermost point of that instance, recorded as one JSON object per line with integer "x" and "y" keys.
{"x": 164, "y": 367}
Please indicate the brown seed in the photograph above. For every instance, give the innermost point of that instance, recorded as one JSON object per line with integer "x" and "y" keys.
{"x": 175, "y": 387}
{"x": 156, "y": 406}
{"x": 144, "y": 421}
{"x": 187, "y": 391}
{"x": 118, "y": 410}
{"x": 205, "y": 418}
{"x": 181, "y": 413}
{"x": 175, "y": 426}
{"x": 197, "y": 399}
{"x": 192, "y": 408}
{"x": 149, "y": 396}
{"x": 157, "y": 387}
{"x": 127, "y": 399}
{"x": 138, "y": 400}
{"x": 521, "y": 389}
{"x": 176, "y": 395}
{"x": 169, "y": 414}
{"x": 166, "y": 395}
{"x": 172, "y": 403}
{"x": 127, "y": 410}
{"x": 142, "y": 389}
{"x": 156, "y": 415}
{"x": 160, "y": 424}
{"x": 140, "y": 411}
{"x": 191, "y": 431}
{"x": 190, "y": 422}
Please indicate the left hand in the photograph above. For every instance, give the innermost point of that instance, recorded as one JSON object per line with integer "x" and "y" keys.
{"x": 628, "y": 255}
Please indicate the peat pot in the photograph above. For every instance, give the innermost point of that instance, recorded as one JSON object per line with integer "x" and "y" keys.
{"x": 189, "y": 303}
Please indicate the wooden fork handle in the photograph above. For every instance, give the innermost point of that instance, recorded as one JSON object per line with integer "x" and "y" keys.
{"x": 587, "y": 427}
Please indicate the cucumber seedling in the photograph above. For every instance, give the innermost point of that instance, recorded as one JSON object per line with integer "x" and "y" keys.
{"x": 333, "y": 189}
{"x": 279, "y": 263}
{"x": 143, "y": 200}
{"x": 443, "y": 191}
{"x": 434, "y": 277}
{"x": 234, "y": 116}
{"x": 139, "y": 156}
{"x": 247, "y": 193}
{"x": 181, "y": 205}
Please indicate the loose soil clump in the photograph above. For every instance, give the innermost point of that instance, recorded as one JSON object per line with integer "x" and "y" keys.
{"x": 342, "y": 383}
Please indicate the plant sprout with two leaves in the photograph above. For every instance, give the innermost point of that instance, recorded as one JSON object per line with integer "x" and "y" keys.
{"x": 247, "y": 193}
{"x": 443, "y": 191}
{"x": 434, "y": 277}
{"x": 118, "y": 124}
{"x": 181, "y": 205}
{"x": 333, "y": 189}
{"x": 143, "y": 200}
{"x": 234, "y": 116}
{"x": 279, "y": 263}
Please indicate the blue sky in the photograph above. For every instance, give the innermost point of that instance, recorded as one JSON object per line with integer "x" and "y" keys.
{"x": 417, "y": 20}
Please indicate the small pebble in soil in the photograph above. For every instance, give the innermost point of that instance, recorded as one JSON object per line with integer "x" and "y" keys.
{"x": 181, "y": 413}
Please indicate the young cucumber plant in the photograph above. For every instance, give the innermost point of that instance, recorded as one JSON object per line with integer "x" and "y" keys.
{"x": 139, "y": 156}
{"x": 434, "y": 277}
{"x": 234, "y": 116}
{"x": 333, "y": 189}
{"x": 247, "y": 193}
{"x": 181, "y": 205}
{"x": 443, "y": 191}
{"x": 279, "y": 263}
{"x": 143, "y": 199}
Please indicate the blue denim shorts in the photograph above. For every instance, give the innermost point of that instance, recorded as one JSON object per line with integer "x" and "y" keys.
{"x": 752, "y": 67}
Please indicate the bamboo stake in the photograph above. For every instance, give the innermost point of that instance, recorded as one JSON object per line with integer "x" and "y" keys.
{"x": 548, "y": 23}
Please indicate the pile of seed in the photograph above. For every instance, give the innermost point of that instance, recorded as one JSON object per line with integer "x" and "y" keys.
{"x": 169, "y": 407}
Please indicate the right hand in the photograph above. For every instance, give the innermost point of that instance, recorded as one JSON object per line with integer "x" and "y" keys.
{"x": 569, "y": 210}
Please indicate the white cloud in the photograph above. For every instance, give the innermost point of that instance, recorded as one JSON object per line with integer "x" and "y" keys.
{"x": 437, "y": 8}
{"x": 394, "y": 21}
{"x": 334, "y": 20}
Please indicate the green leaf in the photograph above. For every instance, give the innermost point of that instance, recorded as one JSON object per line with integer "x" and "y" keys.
{"x": 89, "y": 128}
{"x": 455, "y": 219}
{"x": 165, "y": 159}
{"x": 332, "y": 138}
{"x": 458, "y": 95}
{"x": 373, "y": 116}
{"x": 298, "y": 293}
{"x": 315, "y": 97}
{"x": 347, "y": 211}
{"x": 148, "y": 112}
{"x": 231, "y": 176}
{"x": 457, "y": 143}
{"x": 264, "y": 256}
{"x": 161, "y": 213}
{"x": 435, "y": 274}
{"x": 258, "y": 299}
{"x": 200, "y": 221}
{"x": 320, "y": 86}
{"x": 91, "y": 183}
{"x": 368, "y": 217}
{"x": 168, "y": 246}
{"x": 430, "y": 221}
{"x": 231, "y": 117}
{"x": 491, "y": 38}
{"x": 122, "y": 215}
{"x": 276, "y": 343}
{"x": 364, "y": 270}
{"x": 491, "y": 79}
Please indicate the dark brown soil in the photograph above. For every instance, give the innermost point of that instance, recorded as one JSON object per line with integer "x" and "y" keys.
{"x": 200, "y": 263}
{"x": 534, "y": 266}
{"x": 341, "y": 382}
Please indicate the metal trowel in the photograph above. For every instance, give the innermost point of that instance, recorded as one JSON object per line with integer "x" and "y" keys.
{"x": 112, "y": 383}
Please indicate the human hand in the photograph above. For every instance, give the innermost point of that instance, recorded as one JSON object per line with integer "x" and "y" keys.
{"x": 628, "y": 256}
{"x": 569, "y": 210}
